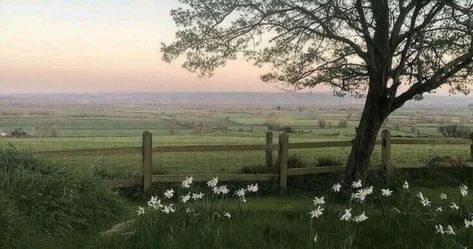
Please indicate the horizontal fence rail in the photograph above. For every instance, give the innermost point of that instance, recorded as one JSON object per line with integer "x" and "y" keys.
{"x": 283, "y": 172}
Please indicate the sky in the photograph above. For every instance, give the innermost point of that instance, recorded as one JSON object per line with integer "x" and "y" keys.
{"x": 87, "y": 46}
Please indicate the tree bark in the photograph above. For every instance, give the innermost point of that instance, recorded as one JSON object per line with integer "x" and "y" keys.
{"x": 371, "y": 120}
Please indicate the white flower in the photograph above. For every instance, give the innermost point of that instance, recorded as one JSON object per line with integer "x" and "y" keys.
{"x": 450, "y": 230}
{"x": 169, "y": 193}
{"x": 386, "y": 192}
{"x": 443, "y": 196}
{"x": 453, "y": 205}
{"x": 141, "y": 211}
{"x": 187, "y": 182}
{"x": 240, "y": 193}
{"x": 252, "y": 188}
{"x": 347, "y": 215}
{"x": 360, "y": 218}
{"x": 463, "y": 190}
{"x": 405, "y": 185}
{"x": 439, "y": 229}
{"x": 243, "y": 199}
{"x": 315, "y": 238}
{"x": 168, "y": 209}
{"x": 213, "y": 183}
{"x": 316, "y": 213}
{"x": 227, "y": 214}
{"x": 425, "y": 202}
{"x": 186, "y": 198}
{"x": 356, "y": 184}
{"x": 439, "y": 209}
{"x": 189, "y": 210}
{"x": 198, "y": 196}
{"x": 468, "y": 223}
{"x": 336, "y": 187}
{"x": 319, "y": 200}
{"x": 221, "y": 190}
{"x": 361, "y": 194}
{"x": 155, "y": 203}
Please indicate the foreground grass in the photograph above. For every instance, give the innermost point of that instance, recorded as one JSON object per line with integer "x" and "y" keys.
{"x": 45, "y": 206}
{"x": 398, "y": 221}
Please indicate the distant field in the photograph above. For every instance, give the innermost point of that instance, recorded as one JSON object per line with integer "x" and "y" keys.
{"x": 71, "y": 127}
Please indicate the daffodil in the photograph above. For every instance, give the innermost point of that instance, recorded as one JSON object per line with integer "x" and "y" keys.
{"x": 336, "y": 187}
{"x": 468, "y": 223}
{"x": 213, "y": 183}
{"x": 443, "y": 196}
{"x": 405, "y": 185}
{"x": 361, "y": 194}
{"x": 198, "y": 196}
{"x": 186, "y": 198}
{"x": 463, "y": 190}
{"x": 141, "y": 211}
{"x": 454, "y": 206}
{"x": 155, "y": 203}
{"x": 356, "y": 184}
{"x": 423, "y": 200}
{"x": 240, "y": 193}
{"x": 252, "y": 188}
{"x": 386, "y": 192}
{"x": 319, "y": 200}
{"x": 169, "y": 193}
{"x": 316, "y": 213}
{"x": 360, "y": 218}
{"x": 450, "y": 230}
{"x": 347, "y": 215}
{"x": 227, "y": 214}
{"x": 187, "y": 182}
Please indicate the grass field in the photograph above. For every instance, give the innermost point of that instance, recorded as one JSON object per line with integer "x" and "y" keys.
{"x": 71, "y": 127}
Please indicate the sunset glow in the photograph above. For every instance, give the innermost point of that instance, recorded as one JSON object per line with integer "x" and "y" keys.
{"x": 105, "y": 46}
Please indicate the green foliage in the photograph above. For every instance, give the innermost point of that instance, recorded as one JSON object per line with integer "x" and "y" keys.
{"x": 48, "y": 202}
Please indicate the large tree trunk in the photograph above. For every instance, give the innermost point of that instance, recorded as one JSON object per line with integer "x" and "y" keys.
{"x": 372, "y": 118}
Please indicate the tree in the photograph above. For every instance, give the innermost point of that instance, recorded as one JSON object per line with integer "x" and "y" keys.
{"x": 388, "y": 51}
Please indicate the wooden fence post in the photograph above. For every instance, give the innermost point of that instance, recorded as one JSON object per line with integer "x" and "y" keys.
{"x": 147, "y": 141}
{"x": 386, "y": 153}
{"x": 471, "y": 146}
{"x": 269, "y": 152}
{"x": 282, "y": 160}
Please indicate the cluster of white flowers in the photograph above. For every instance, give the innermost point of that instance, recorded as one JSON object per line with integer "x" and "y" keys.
{"x": 198, "y": 196}
{"x": 221, "y": 190}
{"x": 361, "y": 194}
{"x": 454, "y": 206}
{"x": 439, "y": 229}
{"x": 318, "y": 210}
{"x": 187, "y": 182}
{"x": 423, "y": 200}
{"x": 213, "y": 183}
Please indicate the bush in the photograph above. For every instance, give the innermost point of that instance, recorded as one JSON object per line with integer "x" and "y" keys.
{"x": 52, "y": 203}
{"x": 455, "y": 131}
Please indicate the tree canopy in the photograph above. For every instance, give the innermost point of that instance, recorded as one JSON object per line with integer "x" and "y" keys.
{"x": 419, "y": 43}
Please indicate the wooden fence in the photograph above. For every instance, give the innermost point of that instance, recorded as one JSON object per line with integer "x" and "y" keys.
{"x": 147, "y": 149}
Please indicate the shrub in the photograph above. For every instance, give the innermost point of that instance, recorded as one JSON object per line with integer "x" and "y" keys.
{"x": 455, "y": 131}
{"x": 53, "y": 202}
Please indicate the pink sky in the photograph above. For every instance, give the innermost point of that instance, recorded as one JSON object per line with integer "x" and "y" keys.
{"x": 53, "y": 46}
{"x": 110, "y": 46}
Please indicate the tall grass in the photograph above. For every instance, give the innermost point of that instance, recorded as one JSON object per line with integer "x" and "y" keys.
{"x": 41, "y": 205}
